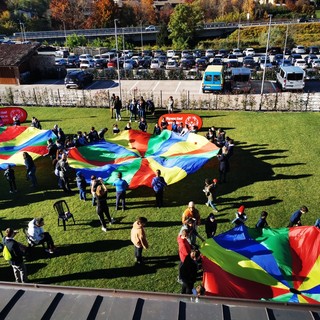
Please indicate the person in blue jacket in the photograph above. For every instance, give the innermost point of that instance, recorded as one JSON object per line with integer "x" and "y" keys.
{"x": 121, "y": 187}
{"x": 158, "y": 184}
{"x": 295, "y": 219}
{"x": 262, "y": 223}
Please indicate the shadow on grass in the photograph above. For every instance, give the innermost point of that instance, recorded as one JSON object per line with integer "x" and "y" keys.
{"x": 151, "y": 265}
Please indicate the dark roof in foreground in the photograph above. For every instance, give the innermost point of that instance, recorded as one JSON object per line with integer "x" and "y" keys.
{"x": 33, "y": 301}
{"x": 14, "y": 54}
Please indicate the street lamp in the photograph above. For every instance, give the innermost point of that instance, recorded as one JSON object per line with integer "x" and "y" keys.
{"x": 141, "y": 36}
{"x": 239, "y": 25}
{"x": 116, "y": 36}
{"x": 23, "y": 31}
{"x": 265, "y": 63}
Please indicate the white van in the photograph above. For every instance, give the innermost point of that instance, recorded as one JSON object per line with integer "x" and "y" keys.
{"x": 291, "y": 78}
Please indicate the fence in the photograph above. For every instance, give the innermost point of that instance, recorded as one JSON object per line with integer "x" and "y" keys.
{"x": 280, "y": 101}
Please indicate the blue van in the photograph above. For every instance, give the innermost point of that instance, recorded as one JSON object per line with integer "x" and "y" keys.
{"x": 213, "y": 79}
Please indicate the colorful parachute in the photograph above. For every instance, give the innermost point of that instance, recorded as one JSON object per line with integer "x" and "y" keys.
{"x": 139, "y": 154}
{"x": 15, "y": 140}
{"x": 272, "y": 264}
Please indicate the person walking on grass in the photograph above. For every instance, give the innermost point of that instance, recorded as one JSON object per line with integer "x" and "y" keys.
{"x": 10, "y": 177}
{"x": 209, "y": 191}
{"x": 121, "y": 187}
{"x": 31, "y": 169}
{"x": 17, "y": 251}
{"x": 139, "y": 239}
{"x": 82, "y": 185}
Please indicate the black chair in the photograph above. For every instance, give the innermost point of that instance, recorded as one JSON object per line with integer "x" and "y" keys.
{"x": 63, "y": 211}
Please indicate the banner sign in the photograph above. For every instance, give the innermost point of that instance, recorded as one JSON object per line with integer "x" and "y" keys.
{"x": 8, "y": 113}
{"x": 186, "y": 118}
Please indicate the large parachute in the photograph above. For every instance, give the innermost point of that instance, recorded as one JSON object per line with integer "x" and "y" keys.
{"x": 271, "y": 264}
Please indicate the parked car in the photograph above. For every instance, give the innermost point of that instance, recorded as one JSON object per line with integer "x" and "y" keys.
{"x": 310, "y": 57}
{"x": 223, "y": 52}
{"x": 237, "y": 52}
{"x": 60, "y": 62}
{"x": 301, "y": 63}
{"x": 299, "y": 50}
{"x": 158, "y": 53}
{"x": 201, "y": 64}
{"x": 155, "y": 64}
{"x": 277, "y": 59}
{"x": 85, "y": 56}
{"x": 265, "y": 63}
{"x": 285, "y": 63}
{"x": 316, "y": 63}
{"x": 249, "y": 52}
{"x": 313, "y": 50}
{"x": 88, "y": 63}
{"x": 193, "y": 74}
{"x": 150, "y": 28}
{"x": 100, "y": 63}
{"x": 216, "y": 61}
{"x": 172, "y": 65}
{"x": 250, "y": 64}
{"x": 294, "y": 56}
{"x": 209, "y": 53}
{"x": 162, "y": 60}
{"x": 112, "y": 63}
{"x": 78, "y": 79}
{"x": 73, "y": 61}
{"x": 186, "y": 64}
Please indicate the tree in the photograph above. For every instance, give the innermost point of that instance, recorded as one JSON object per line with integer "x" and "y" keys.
{"x": 144, "y": 11}
{"x": 74, "y": 41}
{"x": 162, "y": 35}
{"x": 102, "y": 14}
{"x": 277, "y": 38}
{"x": 165, "y": 13}
{"x": 183, "y": 24}
{"x": 70, "y": 12}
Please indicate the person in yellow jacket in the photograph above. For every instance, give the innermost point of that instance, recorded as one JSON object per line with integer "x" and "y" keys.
{"x": 139, "y": 239}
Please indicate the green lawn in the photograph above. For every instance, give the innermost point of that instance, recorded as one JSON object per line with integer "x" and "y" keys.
{"x": 274, "y": 168}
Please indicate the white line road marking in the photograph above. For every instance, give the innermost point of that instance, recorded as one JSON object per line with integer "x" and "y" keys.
{"x": 134, "y": 86}
{"x": 155, "y": 85}
{"x": 178, "y": 86}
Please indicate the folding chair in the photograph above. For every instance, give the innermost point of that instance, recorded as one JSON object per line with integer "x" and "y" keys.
{"x": 63, "y": 211}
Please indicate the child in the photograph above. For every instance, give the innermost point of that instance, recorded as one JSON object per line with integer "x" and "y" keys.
{"x": 139, "y": 239}
{"x": 262, "y": 223}
{"x": 128, "y": 126}
{"x": 9, "y": 175}
{"x": 156, "y": 130}
{"x": 241, "y": 217}
{"x": 115, "y": 129}
{"x": 211, "y": 226}
{"x": 81, "y": 184}
{"x": 209, "y": 189}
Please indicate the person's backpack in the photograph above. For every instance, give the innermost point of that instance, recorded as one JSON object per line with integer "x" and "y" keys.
{"x": 6, "y": 254}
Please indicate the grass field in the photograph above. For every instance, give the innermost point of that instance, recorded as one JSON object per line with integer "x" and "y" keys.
{"x": 274, "y": 168}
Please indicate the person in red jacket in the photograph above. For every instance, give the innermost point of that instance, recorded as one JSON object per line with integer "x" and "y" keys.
{"x": 184, "y": 248}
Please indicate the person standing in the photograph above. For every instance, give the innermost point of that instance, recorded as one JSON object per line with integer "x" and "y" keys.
{"x": 31, "y": 168}
{"x": 158, "y": 184}
{"x": 10, "y": 177}
{"x": 121, "y": 187}
{"x": 112, "y": 100}
{"x": 295, "y": 219}
{"x": 156, "y": 130}
{"x": 211, "y": 226}
{"x": 184, "y": 248}
{"x": 224, "y": 166}
{"x": 188, "y": 272}
{"x": 64, "y": 169}
{"x": 82, "y": 185}
{"x": 139, "y": 239}
{"x": 170, "y": 104}
{"x": 118, "y": 107}
{"x": 102, "y": 206}
{"x": 17, "y": 251}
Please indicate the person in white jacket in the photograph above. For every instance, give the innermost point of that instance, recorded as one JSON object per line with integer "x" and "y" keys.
{"x": 38, "y": 236}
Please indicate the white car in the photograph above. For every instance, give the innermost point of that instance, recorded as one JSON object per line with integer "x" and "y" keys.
{"x": 301, "y": 63}
{"x": 249, "y": 52}
{"x": 209, "y": 53}
{"x": 299, "y": 49}
{"x": 88, "y": 63}
{"x": 85, "y": 57}
{"x": 172, "y": 65}
{"x": 170, "y": 53}
{"x": 150, "y": 28}
{"x": 155, "y": 64}
{"x": 237, "y": 52}
{"x": 315, "y": 63}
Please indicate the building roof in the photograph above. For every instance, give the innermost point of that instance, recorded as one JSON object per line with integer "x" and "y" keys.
{"x": 35, "y": 301}
{"x": 15, "y": 54}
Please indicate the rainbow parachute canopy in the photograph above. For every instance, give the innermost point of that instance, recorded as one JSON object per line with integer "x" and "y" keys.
{"x": 272, "y": 264}
{"x": 18, "y": 139}
{"x": 139, "y": 154}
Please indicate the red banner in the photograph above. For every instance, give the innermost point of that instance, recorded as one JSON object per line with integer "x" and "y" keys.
{"x": 186, "y": 118}
{"x": 8, "y": 113}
